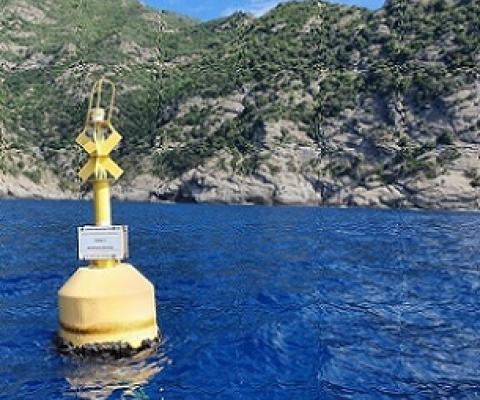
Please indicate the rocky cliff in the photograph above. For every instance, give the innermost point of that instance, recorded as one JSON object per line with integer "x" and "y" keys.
{"x": 313, "y": 103}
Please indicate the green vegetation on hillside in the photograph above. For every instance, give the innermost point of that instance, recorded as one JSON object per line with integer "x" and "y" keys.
{"x": 318, "y": 65}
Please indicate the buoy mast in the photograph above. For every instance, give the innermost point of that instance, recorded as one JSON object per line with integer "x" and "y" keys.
{"x": 93, "y": 139}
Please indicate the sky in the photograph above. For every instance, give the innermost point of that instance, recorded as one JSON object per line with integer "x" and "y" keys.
{"x": 209, "y": 9}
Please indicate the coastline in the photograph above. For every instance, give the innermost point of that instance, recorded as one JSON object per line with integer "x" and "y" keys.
{"x": 149, "y": 189}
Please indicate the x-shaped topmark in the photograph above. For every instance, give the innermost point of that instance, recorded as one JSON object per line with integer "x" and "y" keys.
{"x": 100, "y": 163}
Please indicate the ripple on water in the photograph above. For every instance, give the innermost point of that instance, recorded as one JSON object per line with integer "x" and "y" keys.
{"x": 256, "y": 303}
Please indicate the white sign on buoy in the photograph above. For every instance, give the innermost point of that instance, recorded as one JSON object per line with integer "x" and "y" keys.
{"x": 103, "y": 242}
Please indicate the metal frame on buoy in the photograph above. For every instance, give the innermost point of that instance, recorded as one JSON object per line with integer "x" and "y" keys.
{"x": 108, "y": 304}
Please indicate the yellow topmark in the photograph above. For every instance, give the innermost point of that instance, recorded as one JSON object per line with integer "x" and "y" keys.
{"x": 108, "y": 302}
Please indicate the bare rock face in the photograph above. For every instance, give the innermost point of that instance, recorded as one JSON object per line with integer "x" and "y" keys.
{"x": 36, "y": 61}
{"x": 22, "y": 187}
{"x": 385, "y": 196}
{"x": 200, "y": 187}
{"x": 345, "y": 170}
{"x": 27, "y": 13}
{"x": 292, "y": 189}
{"x": 138, "y": 189}
{"x": 388, "y": 3}
{"x": 453, "y": 191}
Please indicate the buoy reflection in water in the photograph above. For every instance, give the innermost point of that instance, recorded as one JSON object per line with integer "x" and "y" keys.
{"x": 100, "y": 378}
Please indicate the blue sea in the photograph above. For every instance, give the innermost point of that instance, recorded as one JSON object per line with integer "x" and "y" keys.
{"x": 256, "y": 303}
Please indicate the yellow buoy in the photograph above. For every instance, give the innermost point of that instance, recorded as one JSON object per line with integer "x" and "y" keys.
{"x": 108, "y": 303}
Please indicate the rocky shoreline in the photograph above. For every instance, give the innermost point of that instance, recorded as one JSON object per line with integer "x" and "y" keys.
{"x": 286, "y": 190}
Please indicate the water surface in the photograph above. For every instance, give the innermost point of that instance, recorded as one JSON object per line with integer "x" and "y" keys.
{"x": 256, "y": 303}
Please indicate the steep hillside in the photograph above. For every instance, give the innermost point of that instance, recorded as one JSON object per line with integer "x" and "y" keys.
{"x": 50, "y": 54}
{"x": 313, "y": 103}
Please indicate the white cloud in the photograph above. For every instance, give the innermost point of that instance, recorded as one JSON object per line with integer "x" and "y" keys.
{"x": 256, "y": 7}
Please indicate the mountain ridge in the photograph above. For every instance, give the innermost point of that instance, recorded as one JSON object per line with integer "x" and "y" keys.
{"x": 313, "y": 103}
